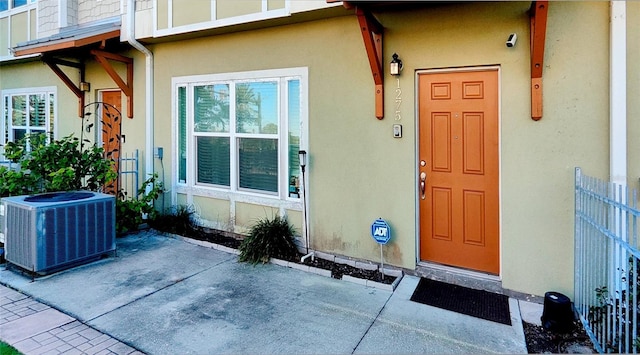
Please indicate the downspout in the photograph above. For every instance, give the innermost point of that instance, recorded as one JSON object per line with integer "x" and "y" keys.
{"x": 618, "y": 131}
{"x": 149, "y": 121}
{"x": 618, "y": 94}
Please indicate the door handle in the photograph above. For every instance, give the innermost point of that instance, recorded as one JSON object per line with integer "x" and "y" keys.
{"x": 423, "y": 179}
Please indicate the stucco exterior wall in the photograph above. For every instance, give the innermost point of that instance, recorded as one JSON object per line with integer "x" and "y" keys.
{"x": 37, "y": 74}
{"x": 358, "y": 172}
{"x": 633, "y": 92}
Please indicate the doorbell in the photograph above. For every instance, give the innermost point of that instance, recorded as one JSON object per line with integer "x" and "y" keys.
{"x": 397, "y": 131}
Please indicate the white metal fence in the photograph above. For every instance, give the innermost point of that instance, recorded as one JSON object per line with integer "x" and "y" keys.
{"x": 606, "y": 263}
{"x": 128, "y": 173}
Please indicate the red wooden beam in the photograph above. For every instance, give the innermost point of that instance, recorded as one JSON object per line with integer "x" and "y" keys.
{"x": 53, "y": 64}
{"x": 127, "y": 88}
{"x": 371, "y": 31}
{"x": 538, "y": 14}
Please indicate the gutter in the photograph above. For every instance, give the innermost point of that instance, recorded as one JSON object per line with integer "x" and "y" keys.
{"x": 149, "y": 113}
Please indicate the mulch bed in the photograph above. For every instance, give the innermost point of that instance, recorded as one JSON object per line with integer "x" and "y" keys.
{"x": 542, "y": 341}
{"x": 232, "y": 240}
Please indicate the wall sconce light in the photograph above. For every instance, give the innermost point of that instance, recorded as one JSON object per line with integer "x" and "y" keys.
{"x": 302, "y": 155}
{"x": 511, "y": 41}
{"x": 396, "y": 65}
{"x": 85, "y": 86}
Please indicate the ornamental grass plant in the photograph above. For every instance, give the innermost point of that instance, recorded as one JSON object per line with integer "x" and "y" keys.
{"x": 269, "y": 238}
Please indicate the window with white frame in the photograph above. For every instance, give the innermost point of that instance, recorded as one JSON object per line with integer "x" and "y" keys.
{"x": 10, "y": 4}
{"x": 28, "y": 111}
{"x": 241, "y": 132}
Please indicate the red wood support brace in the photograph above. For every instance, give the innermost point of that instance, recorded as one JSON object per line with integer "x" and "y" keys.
{"x": 53, "y": 64}
{"x": 372, "y": 35}
{"x": 538, "y": 14}
{"x": 127, "y": 88}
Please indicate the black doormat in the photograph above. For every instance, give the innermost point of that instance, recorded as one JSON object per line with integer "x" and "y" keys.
{"x": 476, "y": 303}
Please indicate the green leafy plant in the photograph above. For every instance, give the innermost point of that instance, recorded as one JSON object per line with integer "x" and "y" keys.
{"x": 269, "y": 238}
{"x": 61, "y": 165}
{"x": 130, "y": 212}
{"x": 177, "y": 220}
{"x": 619, "y": 307}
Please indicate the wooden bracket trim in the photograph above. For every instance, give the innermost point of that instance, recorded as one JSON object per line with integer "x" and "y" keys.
{"x": 53, "y": 64}
{"x": 538, "y": 15}
{"x": 372, "y": 31}
{"x": 127, "y": 88}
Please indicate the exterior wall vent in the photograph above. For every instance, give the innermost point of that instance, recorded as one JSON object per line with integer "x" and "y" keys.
{"x": 53, "y": 231}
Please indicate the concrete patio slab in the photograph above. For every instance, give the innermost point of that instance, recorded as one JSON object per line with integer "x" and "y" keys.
{"x": 163, "y": 295}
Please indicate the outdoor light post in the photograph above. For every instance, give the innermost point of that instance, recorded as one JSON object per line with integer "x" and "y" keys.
{"x": 302, "y": 155}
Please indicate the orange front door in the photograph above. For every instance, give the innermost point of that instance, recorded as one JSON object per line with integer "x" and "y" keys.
{"x": 458, "y": 163}
{"x": 111, "y": 126}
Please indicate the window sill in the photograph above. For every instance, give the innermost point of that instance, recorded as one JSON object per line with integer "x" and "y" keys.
{"x": 240, "y": 196}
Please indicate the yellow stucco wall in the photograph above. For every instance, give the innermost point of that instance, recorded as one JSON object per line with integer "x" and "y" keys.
{"x": 358, "y": 172}
{"x": 538, "y": 158}
{"x": 295, "y": 218}
{"x": 37, "y": 74}
{"x": 633, "y": 92}
{"x": 248, "y": 214}
{"x": 212, "y": 209}
{"x": 353, "y": 182}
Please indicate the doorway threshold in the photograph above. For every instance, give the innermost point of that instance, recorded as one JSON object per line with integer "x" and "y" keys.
{"x": 460, "y": 277}
{"x": 468, "y": 278}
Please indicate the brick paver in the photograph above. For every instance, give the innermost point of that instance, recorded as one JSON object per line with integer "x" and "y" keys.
{"x": 36, "y": 328}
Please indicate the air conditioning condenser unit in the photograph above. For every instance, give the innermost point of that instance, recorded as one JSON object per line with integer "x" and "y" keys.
{"x": 53, "y": 231}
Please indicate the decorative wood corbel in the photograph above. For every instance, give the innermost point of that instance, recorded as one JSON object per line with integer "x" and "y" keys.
{"x": 53, "y": 64}
{"x": 371, "y": 31}
{"x": 127, "y": 88}
{"x": 538, "y": 15}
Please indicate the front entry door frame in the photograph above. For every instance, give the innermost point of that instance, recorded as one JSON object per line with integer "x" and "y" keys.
{"x": 417, "y": 167}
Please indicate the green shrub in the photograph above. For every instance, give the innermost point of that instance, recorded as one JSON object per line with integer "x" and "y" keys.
{"x": 269, "y": 238}
{"x": 177, "y": 220}
{"x": 61, "y": 165}
{"x": 130, "y": 212}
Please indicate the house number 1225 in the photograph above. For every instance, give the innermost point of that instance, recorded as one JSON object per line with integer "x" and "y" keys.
{"x": 398, "y": 117}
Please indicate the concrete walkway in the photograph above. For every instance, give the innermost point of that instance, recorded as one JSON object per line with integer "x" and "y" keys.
{"x": 164, "y": 296}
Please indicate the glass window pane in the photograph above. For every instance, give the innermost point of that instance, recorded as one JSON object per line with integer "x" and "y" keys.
{"x": 257, "y": 107}
{"x": 4, "y": 5}
{"x": 211, "y": 108}
{"x": 37, "y": 111}
{"x": 293, "y": 109}
{"x": 258, "y": 164}
{"x": 19, "y": 110}
{"x": 19, "y": 134}
{"x": 182, "y": 134}
{"x": 17, "y": 3}
{"x": 52, "y": 117}
{"x": 213, "y": 157}
{"x": 6, "y": 120}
